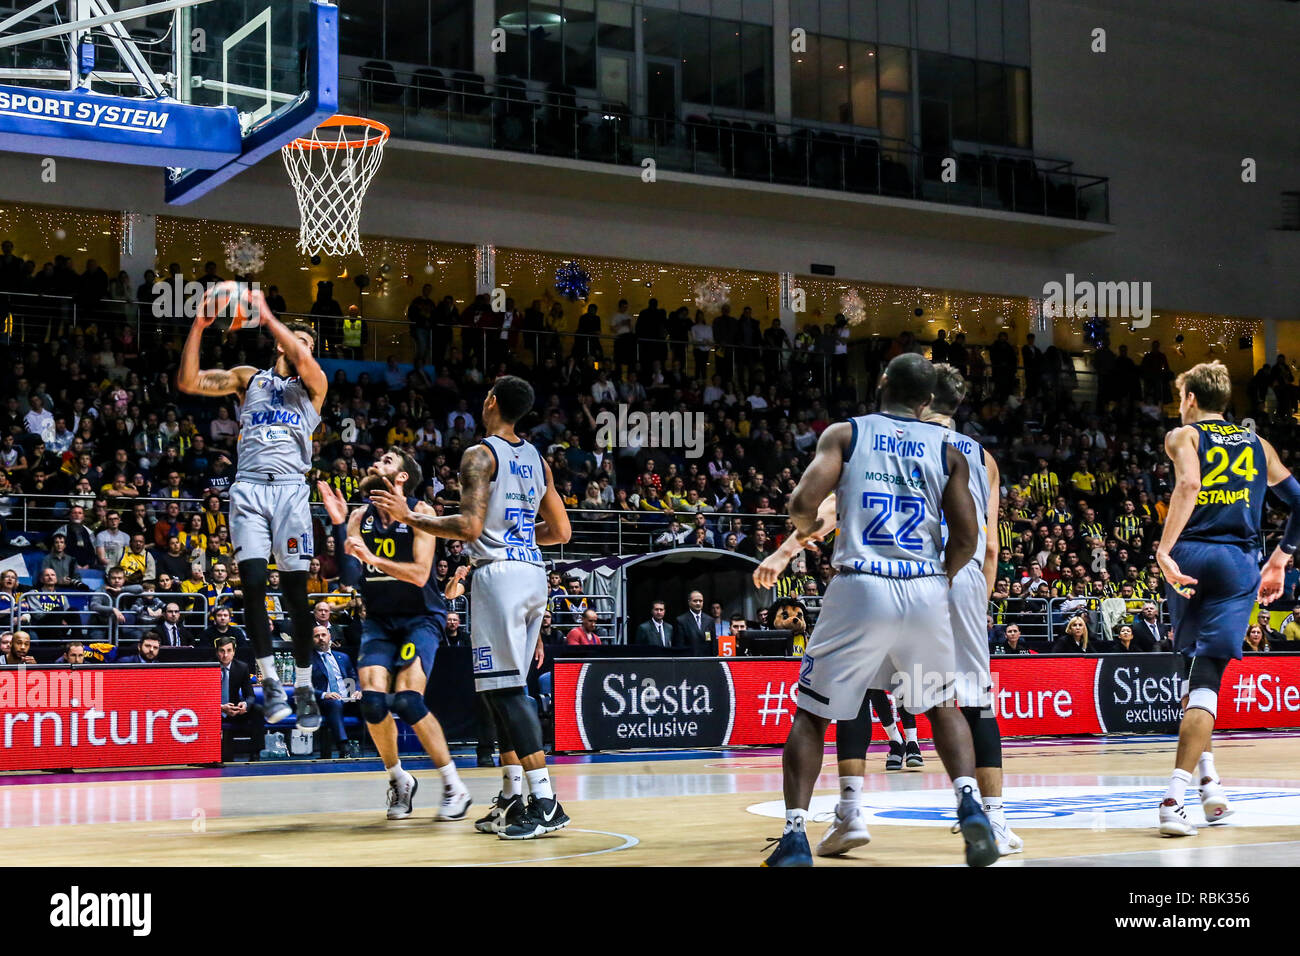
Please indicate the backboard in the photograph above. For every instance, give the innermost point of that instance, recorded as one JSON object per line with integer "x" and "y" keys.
{"x": 201, "y": 88}
{"x": 274, "y": 61}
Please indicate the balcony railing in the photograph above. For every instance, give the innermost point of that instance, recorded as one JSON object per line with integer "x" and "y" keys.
{"x": 461, "y": 112}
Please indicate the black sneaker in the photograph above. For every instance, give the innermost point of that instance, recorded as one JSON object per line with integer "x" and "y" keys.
{"x": 309, "y": 718}
{"x": 914, "y": 760}
{"x": 543, "y": 815}
{"x": 981, "y": 845}
{"x": 895, "y": 759}
{"x": 791, "y": 849}
{"x": 503, "y": 809}
{"x": 275, "y": 702}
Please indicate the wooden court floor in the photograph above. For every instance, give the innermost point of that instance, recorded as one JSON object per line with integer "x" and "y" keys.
{"x": 1085, "y": 801}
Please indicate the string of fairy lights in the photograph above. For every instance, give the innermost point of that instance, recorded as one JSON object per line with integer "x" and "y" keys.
{"x": 42, "y": 232}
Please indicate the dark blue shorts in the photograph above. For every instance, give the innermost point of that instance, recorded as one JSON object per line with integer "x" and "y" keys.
{"x": 395, "y": 642}
{"x": 1212, "y": 623}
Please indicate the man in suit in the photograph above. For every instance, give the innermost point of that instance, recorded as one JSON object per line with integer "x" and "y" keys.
{"x": 146, "y": 651}
{"x": 240, "y": 712}
{"x": 656, "y": 632}
{"x": 1146, "y": 628}
{"x": 174, "y": 632}
{"x": 335, "y": 680}
{"x": 694, "y": 629}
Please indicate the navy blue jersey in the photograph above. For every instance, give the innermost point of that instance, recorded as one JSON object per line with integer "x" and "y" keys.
{"x": 386, "y": 596}
{"x": 1234, "y": 479}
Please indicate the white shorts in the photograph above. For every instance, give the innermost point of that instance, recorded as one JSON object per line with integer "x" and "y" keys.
{"x": 968, "y": 610}
{"x": 272, "y": 521}
{"x": 871, "y": 628}
{"x": 507, "y": 601}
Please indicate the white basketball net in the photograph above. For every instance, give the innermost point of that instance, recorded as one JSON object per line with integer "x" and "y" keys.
{"x": 330, "y": 170}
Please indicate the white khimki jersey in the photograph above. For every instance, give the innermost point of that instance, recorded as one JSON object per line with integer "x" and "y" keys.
{"x": 517, "y": 489}
{"x": 979, "y": 489}
{"x": 276, "y": 422}
{"x": 889, "y": 499}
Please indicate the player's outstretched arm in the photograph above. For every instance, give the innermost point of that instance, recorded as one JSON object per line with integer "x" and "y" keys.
{"x": 1283, "y": 484}
{"x": 296, "y": 351}
{"x": 820, "y": 478}
{"x": 766, "y": 574}
{"x": 959, "y": 511}
{"x": 475, "y": 484}
{"x": 1181, "y": 445}
{"x": 991, "y": 531}
{"x": 213, "y": 383}
{"x": 552, "y": 526}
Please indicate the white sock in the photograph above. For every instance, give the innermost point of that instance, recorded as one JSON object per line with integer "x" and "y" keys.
{"x": 395, "y": 772}
{"x": 449, "y": 776}
{"x": 894, "y": 735}
{"x": 959, "y": 784}
{"x": 794, "y": 820}
{"x": 1178, "y": 781}
{"x": 850, "y": 795}
{"x": 911, "y": 735}
{"x": 301, "y": 676}
{"x": 993, "y": 809}
{"x": 992, "y": 803}
{"x": 512, "y": 780}
{"x": 539, "y": 784}
{"x": 1206, "y": 767}
{"x": 267, "y": 666}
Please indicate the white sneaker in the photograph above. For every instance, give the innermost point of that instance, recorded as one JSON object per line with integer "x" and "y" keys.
{"x": 1173, "y": 820}
{"x": 1214, "y": 801}
{"x": 1008, "y": 840}
{"x": 844, "y": 834}
{"x": 455, "y": 803}
{"x": 401, "y": 794}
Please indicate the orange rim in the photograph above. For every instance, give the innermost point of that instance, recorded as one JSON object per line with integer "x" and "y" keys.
{"x": 381, "y": 132}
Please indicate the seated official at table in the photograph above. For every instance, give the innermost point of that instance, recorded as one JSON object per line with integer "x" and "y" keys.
{"x": 335, "y": 680}
{"x": 240, "y": 712}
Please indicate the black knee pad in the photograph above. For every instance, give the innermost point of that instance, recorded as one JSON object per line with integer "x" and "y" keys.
{"x": 374, "y": 706}
{"x": 852, "y": 736}
{"x": 908, "y": 720}
{"x": 293, "y": 595}
{"x": 409, "y": 706}
{"x": 252, "y": 581}
{"x": 517, "y": 716}
{"x": 879, "y": 701}
{"x": 985, "y": 735}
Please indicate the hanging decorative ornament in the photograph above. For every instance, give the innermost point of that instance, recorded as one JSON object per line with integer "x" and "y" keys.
{"x": 712, "y": 294}
{"x": 572, "y": 282}
{"x": 245, "y": 257}
{"x": 853, "y": 307}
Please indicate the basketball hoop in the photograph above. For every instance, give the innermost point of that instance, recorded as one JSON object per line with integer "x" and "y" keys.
{"x": 330, "y": 170}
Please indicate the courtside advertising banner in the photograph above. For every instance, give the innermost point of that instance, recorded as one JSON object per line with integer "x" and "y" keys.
{"x": 682, "y": 703}
{"x": 114, "y": 715}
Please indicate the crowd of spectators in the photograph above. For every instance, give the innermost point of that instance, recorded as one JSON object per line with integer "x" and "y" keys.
{"x": 113, "y": 471}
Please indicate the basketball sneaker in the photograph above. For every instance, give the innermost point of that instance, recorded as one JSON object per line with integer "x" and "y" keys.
{"x": 401, "y": 796}
{"x": 981, "y": 845}
{"x": 914, "y": 760}
{"x": 1007, "y": 839}
{"x": 503, "y": 809}
{"x": 1173, "y": 819}
{"x": 844, "y": 834}
{"x": 309, "y": 717}
{"x": 791, "y": 849}
{"x": 455, "y": 803}
{"x": 542, "y": 815}
{"x": 1214, "y": 801}
{"x": 275, "y": 702}
{"x": 895, "y": 759}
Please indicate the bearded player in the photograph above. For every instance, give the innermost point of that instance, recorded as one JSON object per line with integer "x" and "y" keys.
{"x": 1207, "y": 554}
{"x": 279, "y": 409}
{"x": 509, "y": 509}
{"x": 392, "y": 567}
